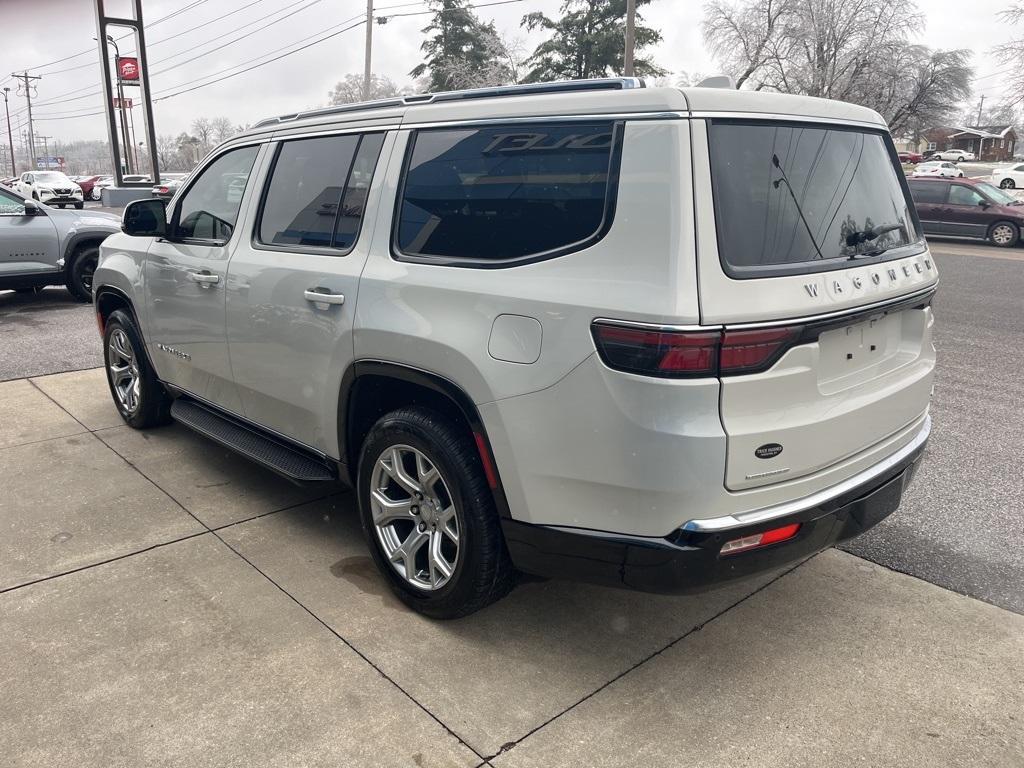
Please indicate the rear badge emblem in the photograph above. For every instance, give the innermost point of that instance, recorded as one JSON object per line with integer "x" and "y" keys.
{"x": 768, "y": 451}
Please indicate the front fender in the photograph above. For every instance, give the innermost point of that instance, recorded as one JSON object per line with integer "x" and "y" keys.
{"x": 121, "y": 267}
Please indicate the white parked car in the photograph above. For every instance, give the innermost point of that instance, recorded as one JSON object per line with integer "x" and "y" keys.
{"x": 955, "y": 155}
{"x": 1009, "y": 176}
{"x": 938, "y": 168}
{"x": 50, "y": 187}
{"x": 649, "y": 337}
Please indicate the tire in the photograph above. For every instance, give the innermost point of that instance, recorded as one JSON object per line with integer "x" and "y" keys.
{"x": 428, "y": 445}
{"x": 62, "y": 206}
{"x": 137, "y": 394}
{"x": 1004, "y": 234}
{"x": 80, "y": 272}
{"x": 79, "y": 206}
{"x": 94, "y": 194}
{"x": 1007, "y": 184}
{"x": 35, "y": 197}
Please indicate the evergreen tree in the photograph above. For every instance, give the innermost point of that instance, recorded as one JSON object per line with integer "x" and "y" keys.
{"x": 460, "y": 51}
{"x": 588, "y": 41}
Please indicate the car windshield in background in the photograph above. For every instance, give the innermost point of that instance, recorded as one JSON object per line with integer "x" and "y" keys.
{"x": 791, "y": 196}
{"x": 997, "y": 195}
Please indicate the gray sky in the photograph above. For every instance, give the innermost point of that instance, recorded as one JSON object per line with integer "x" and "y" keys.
{"x": 41, "y": 31}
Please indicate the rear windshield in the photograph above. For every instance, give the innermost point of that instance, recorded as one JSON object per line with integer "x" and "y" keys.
{"x": 793, "y": 197}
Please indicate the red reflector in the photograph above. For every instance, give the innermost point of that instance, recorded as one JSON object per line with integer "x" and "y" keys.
{"x": 746, "y": 350}
{"x": 99, "y": 323}
{"x": 485, "y": 458}
{"x": 763, "y": 539}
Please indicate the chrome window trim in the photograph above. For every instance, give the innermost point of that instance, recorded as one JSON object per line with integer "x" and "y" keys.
{"x": 785, "y": 509}
{"x": 839, "y": 312}
{"x": 335, "y": 131}
{"x": 770, "y": 116}
{"x": 774, "y": 323}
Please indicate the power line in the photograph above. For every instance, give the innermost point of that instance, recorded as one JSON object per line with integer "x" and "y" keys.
{"x": 453, "y": 10}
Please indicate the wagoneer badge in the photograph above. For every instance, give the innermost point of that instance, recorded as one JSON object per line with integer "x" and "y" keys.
{"x": 768, "y": 451}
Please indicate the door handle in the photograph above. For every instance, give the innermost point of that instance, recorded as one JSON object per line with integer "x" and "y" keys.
{"x": 320, "y": 296}
{"x": 204, "y": 278}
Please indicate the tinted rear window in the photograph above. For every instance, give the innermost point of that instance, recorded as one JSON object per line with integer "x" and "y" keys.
{"x": 506, "y": 193}
{"x": 790, "y": 196}
{"x": 928, "y": 192}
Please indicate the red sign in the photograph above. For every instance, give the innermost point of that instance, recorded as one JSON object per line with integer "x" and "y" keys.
{"x": 128, "y": 69}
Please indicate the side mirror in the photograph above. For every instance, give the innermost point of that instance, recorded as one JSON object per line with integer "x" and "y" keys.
{"x": 32, "y": 208}
{"x": 145, "y": 218}
{"x": 984, "y": 203}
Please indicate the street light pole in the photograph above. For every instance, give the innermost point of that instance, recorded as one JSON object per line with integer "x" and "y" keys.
{"x": 10, "y": 136}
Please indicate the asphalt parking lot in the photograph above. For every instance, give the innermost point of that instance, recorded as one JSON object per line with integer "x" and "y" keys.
{"x": 165, "y": 602}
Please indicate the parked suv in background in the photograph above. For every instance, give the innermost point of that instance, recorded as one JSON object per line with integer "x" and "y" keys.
{"x": 51, "y": 187}
{"x": 654, "y": 338}
{"x": 42, "y": 246}
{"x": 968, "y": 208}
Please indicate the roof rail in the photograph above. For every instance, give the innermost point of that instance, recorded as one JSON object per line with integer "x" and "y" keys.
{"x": 527, "y": 89}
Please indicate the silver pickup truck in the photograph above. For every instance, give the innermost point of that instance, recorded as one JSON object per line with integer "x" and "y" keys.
{"x": 41, "y": 246}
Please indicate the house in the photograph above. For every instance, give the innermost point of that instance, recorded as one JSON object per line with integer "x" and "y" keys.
{"x": 987, "y": 142}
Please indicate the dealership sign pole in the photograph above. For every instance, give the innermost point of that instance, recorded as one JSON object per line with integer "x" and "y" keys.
{"x": 130, "y": 71}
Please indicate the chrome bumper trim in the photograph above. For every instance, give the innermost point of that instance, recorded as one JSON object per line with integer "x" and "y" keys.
{"x": 808, "y": 502}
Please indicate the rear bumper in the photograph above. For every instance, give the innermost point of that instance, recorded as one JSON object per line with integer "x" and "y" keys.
{"x": 689, "y": 560}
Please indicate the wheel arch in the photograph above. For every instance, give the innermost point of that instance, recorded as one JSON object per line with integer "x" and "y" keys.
{"x": 371, "y": 388}
{"x": 79, "y": 240}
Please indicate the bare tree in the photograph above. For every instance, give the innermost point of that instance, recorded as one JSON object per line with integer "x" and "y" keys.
{"x": 223, "y": 128}
{"x": 1012, "y": 54}
{"x": 202, "y": 129}
{"x": 350, "y": 89}
{"x": 852, "y": 50}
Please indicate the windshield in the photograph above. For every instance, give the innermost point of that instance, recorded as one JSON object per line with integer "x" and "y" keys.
{"x": 52, "y": 178}
{"x": 996, "y": 194}
{"x": 789, "y": 196}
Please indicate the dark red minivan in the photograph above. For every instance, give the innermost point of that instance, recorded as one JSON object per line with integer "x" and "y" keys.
{"x": 967, "y": 208}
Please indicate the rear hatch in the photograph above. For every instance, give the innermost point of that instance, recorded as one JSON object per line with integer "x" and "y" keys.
{"x": 812, "y": 259}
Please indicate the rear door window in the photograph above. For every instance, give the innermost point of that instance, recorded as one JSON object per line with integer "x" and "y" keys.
{"x": 928, "y": 192}
{"x": 507, "y": 194}
{"x": 796, "y": 197}
{"x": 317, "y": 191}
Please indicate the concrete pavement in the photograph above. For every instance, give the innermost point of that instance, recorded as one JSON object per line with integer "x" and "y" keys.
{"x": 165, "y": 603}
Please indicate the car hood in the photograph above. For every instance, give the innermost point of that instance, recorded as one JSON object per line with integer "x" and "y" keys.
{"x": 74, "y": 219}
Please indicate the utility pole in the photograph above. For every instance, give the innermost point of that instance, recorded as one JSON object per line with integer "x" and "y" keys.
{"x": 25, "y": 83}
{"x": 369, "y": 48}
{"x": 982, "y": 104}
{"x": 628, "y": 69}
{"x": 10, "y": 136}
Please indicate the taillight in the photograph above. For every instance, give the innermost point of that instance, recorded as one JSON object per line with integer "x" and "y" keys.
{"x": 679, "y": 354}
{"x": 745, "y": 351}
{"x": 671, "y": 354}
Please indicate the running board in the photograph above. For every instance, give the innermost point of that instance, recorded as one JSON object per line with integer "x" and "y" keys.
{"x": 273, "y": 453}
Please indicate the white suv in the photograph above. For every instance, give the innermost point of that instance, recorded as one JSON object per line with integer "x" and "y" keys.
{"x": 50, "y": 187}
{"x": 647, "y": 337}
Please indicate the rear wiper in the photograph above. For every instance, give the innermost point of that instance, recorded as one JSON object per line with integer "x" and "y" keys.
{"x": 864, "y": 235}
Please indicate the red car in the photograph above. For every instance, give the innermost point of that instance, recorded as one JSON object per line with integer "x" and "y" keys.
{"x": 87, "y": 183}
{"x": 910, "y": 157}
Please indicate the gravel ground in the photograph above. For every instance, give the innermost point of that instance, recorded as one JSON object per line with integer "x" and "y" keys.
{"x": 962, "y": 522}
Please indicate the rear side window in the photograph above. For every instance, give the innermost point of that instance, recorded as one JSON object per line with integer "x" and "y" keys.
{"x": 317, "y": 190}
{"x": 801, "y": 197}
{"x": 507, "y": 194}
{"x": 928, "y": 192}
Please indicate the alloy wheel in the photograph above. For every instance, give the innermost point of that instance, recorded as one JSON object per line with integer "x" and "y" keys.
{"x": 1006, "y": 184}
{"x": 414, "y": 517}
{"x": 1002, "y": 234}
{"x": 124, "y": 371}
